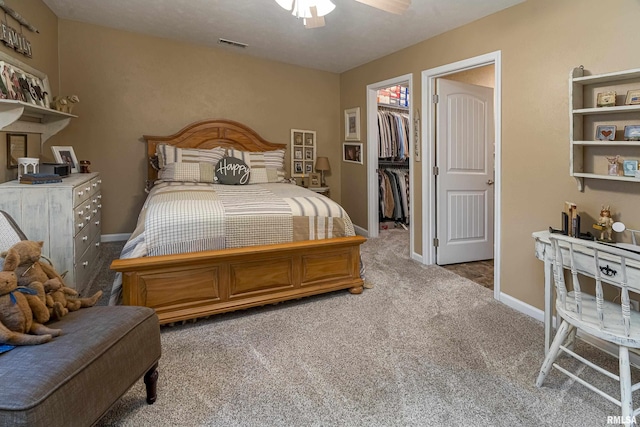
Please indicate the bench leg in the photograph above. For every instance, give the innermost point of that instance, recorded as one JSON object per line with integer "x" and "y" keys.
{"x": 151, "y": 380}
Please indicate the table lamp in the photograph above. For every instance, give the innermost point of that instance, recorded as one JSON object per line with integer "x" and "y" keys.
{"x": 322, "y": 164}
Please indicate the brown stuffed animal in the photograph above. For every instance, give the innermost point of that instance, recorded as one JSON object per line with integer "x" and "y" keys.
{"x": 35, "y": 274}
{"x": 17, "y": 309}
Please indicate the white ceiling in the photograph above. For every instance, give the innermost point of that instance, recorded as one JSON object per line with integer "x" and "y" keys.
{"x": 354, "y": 33}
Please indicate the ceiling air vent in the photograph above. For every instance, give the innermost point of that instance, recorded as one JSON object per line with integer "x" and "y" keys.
{"x": 232, "y": 43}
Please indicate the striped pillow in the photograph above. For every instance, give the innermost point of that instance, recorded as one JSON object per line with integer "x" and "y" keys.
{"x": 169, "y": 154}
{"x": 188, "y": 172}
{"x": 266, "y": 166}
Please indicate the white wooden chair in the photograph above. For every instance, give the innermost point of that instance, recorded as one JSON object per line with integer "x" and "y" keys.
{"x": 614, "y": 322}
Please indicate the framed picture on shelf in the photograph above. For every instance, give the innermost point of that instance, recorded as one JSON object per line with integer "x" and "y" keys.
{"x": 16, "y": 148}
{"x": 605, "y": 133}
{"x": 633, "y": 97}
{"x": 352, "y": 152}
{"x": 66, "y": 154}
{"x": 314, "y": 180}
{"x": 632, "y": 133}
{"x": 630, "y": 167}
{"x": 606, "y": 99}
{"x": 352, "y": 124}
{"x": 303, "y": 146}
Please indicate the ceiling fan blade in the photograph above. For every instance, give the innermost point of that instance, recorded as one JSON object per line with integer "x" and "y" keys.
{"x": 315, "y": 21}
{"x": 392, "y": 6}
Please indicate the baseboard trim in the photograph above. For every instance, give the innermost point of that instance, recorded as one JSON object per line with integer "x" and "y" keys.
{"x": 115, "y": 237}
{"x": 361, "y": 231}
{"x": 522, "y": 307}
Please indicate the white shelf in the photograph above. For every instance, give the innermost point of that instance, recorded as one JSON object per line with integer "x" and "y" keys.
{"x": 582, "y": 116}
{"x": 44, "y": 121}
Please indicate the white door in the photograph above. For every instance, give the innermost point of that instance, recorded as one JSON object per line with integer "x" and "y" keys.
{"x": 464, "y": 184}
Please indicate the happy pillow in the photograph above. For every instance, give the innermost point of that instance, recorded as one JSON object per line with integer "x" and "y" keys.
{"x": 232, "y": 171}
{"x": 265, "y": 166}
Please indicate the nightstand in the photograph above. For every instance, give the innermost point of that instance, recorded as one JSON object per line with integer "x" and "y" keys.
{"x": 320, "y": 190}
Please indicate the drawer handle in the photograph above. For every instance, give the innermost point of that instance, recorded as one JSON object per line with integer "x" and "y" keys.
{"x": 99, "y": 181}
{"x": 80, "y": 193}
{"x": 94, "y": 201}
{"x": 87, "y": 218}
{"x": 97, "y": 223}
{"x": 85, "y": 238}
{"x": 87, "y": 189}
{"x": 97, "y": 244}
{"x": 81, "y": 225}
{"x": 99, "y": 196}
{"x": 99, "y": 206}
{"x": 87, "y": 207}
{"x": 86, "y": 263}
{"x": 80, "y": 213}
{"x": 95, "y": 211}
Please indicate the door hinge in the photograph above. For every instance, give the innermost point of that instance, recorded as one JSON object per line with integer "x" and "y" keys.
{"x": 435, "y": 99}
{"x": 436, "y": 242}
{"x": 436, "y": 170}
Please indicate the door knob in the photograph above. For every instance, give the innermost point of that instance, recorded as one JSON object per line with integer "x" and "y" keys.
{"x": 490, "y": 182}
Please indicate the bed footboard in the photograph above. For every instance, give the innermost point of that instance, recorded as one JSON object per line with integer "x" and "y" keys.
{"x": 188, "y": 286}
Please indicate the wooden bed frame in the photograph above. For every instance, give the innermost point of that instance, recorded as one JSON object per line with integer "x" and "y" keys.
{"x": 192, "y": 285}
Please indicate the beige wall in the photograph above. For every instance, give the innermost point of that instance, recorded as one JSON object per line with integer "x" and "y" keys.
{"x": 44, "y": 48}
{"x": 541, "y": 41}
{"x": 130, "y": 85}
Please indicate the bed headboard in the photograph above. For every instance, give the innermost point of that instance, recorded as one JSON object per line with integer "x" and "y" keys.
{"x": 209, "y": 134}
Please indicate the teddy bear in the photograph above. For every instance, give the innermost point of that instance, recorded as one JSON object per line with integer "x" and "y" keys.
{"x": 49, "y": 285}
{"x": 17, "y": 308}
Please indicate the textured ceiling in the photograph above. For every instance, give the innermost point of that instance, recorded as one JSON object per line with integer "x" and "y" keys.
{"x": 354, "y": 33}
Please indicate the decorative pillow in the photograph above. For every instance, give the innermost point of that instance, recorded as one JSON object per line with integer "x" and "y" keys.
{"x": 169, "y": 154}
{"x": 188, "y": 172}
{"x": 266, "y": 166}
{"x": 232, "y": 171}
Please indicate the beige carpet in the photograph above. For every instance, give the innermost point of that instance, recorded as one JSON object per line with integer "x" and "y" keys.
{"x": 423, "y": 347}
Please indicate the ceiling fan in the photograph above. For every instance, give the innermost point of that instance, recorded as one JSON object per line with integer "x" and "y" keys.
{"x": 313, "y": 11}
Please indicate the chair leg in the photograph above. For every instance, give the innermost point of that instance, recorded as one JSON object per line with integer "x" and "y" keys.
{"x": 625, "y": 384}
{"x": 561, "y": 335}
{"x": 151, "y": 380}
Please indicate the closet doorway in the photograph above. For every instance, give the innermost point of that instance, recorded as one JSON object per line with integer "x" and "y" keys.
{"x": 467, "y": 219}
{"x": 390, "y": 152}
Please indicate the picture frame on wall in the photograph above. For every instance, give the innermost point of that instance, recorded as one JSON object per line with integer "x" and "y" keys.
{"x": 16, "y": 148}
{"x": 352, "y": 124}
{"x": 303, "y": 146}
{"x": 65, "y": 154}
{"x": 352, "y": 152}
{"x": 606, "y": 133}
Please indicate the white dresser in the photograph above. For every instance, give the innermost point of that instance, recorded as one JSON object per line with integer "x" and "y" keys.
{"x": 66, "y": 216}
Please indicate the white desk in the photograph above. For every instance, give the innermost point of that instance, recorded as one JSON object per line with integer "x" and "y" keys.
{"x": 543, "y": 253}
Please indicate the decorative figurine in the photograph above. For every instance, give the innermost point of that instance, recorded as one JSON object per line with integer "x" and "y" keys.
{"x": 604, "y": 224}
{"x": 614, "y": 165}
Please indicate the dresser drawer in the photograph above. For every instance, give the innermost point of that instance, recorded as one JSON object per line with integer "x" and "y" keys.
{"x": 82, "y": 215}
{"x": 81, "y": 193}
{"x": 87, "y": 235}
{"x": 85, "y": 265}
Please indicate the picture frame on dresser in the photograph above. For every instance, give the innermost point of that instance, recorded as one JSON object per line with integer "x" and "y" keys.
{"x": 65, "y": 154}
{"x": 16, "y": 148}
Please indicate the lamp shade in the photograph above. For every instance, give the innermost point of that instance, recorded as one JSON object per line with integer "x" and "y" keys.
{"x": 322, "y": 164}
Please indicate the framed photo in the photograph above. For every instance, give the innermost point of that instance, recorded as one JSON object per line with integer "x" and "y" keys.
{"x": 314, "y": 180}
{"x": 632, "y": 133}
{"x": 352, "y": 152}
{"x": 633, "y": 97}
{"x": 303, "y": 146}
{"x": 16, "y": 148}
{"x": 21, "y": 82}
{"x": 630, "y": 167}
{"x": 606, "y": 133}
{"x": 606, "y": 99}
{"x": 65, "y": 155}
{"x": 352, "y": 124}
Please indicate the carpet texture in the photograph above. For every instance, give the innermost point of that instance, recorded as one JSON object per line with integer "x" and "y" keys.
{"x": 423, "y": 347}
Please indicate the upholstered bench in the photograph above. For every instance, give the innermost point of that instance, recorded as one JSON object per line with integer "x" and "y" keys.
{"x": 75, "y": 378}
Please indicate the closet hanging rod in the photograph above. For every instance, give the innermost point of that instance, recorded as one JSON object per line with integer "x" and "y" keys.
{"x": 393, "y": 107}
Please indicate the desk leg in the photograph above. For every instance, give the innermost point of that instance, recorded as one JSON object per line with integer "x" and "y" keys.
{"x": 548, "y": 304}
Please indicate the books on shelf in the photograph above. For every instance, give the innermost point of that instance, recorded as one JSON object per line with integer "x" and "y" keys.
{"x": 40, "y": 178}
